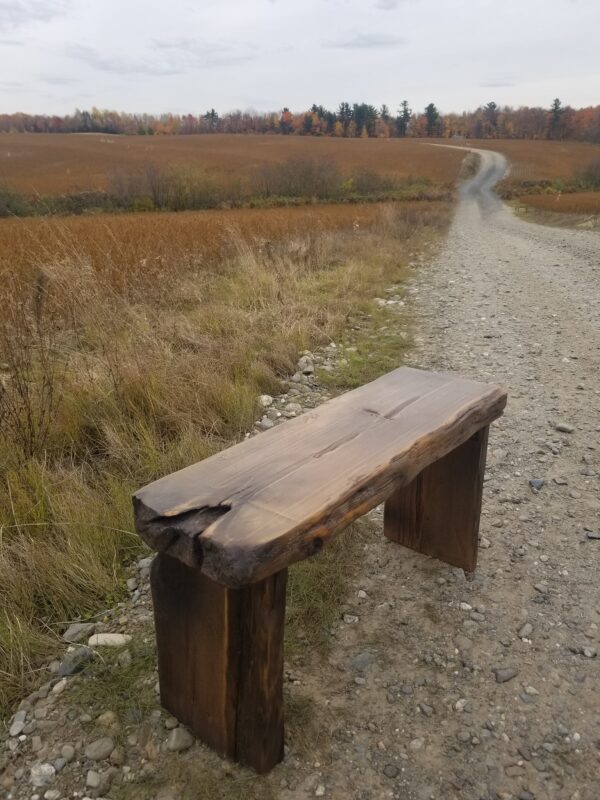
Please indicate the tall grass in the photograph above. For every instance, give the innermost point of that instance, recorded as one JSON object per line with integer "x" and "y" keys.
{"x": 111, "y": 376}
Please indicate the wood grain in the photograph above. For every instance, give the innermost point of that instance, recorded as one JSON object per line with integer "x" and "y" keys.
{"x": 255, "y": 508}
{"x": 220, "y": 660}
{"x": 438, "y": 513}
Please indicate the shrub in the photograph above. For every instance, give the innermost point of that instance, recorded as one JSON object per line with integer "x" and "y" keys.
{"x": 299, "y": 177}
{"x": 13, "y": 203}
{"x": 590, "y": 175}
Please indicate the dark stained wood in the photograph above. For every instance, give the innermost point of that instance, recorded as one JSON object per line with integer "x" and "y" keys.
{"x": 257, "y": 507}
{"x": 260, "y": 696}
{"x": 220, "y": 659}
{"x": 438, "y": 513}
{"x": 198, "y": 638}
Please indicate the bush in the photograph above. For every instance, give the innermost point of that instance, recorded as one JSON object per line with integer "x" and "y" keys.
{"x": 590, "y": 175}
{"x": 299, "y": 177}
{"x": 12, "y": 203}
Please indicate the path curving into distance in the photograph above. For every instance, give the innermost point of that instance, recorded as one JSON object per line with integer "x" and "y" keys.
{"x": 519, "y": 304}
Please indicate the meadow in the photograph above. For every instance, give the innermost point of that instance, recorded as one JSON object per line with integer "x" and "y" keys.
{"x": 535, "y": 161}
{"x": 134, "y": 344}
{"x": 52, "y": 164}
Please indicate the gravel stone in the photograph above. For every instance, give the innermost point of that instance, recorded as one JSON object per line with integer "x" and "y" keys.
{"x": 504, "y": 674}
{"x": 100, "y": 749}
{"x": 109, "y": 640}
{"x": 75, "y": 661}
{"x": 179, "y": 739}
{"x": 79, "y": 631}
{"x": 41, "y": 774}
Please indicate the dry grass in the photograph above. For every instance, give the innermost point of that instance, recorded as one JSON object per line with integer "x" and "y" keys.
{"x": 138, "y": 246}
{"x": 540, "y": 160}
{"x": 132, "y": 346}
{"x": 56, "y": 163}
{"x": 565, "y": 203}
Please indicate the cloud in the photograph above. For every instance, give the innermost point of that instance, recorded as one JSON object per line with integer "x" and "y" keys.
{"x": 118, "y": 64}
{"x": 12, "y": 86}
{"x": 57, "y": 80}
{"x": 368, "y": 41}
{"x": 387, "y": 5}
{"x": 16, "y": 13}
{"x": 498, "y": 84}
{"x": 192, "y": 53}
{"x": 11, "y": 43}
{"x": 166, "y": 58}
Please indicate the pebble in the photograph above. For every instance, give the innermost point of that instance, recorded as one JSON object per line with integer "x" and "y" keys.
{"x": 79, "y": 631}
{"x": 306, "y": 365}
{"x": 504, "y": 674}
{"x": 179, "y": 739}
{"x": 564, "y": 427}
{"x": 391, "y": 771}
{"x": 67, "y": 751}
{"x": 525, "y": 631}
{"x": 361, "y": 661}
{"x": 536, "y": 483}
{"x": 350, "y": 619}
{"x": 100, "y": 749}
{"x": 118, "y": 755}
{"x": 75, "y": 661}
{"x": 109, "y": 640}
{"x": 41, "y": 774}
{"x": 18, "y": 723}
{"x": 92, "y": 780}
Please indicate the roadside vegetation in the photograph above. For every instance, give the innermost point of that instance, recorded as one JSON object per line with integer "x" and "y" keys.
{"x": 132, "y": 345}
{"x": 297, "y": 181}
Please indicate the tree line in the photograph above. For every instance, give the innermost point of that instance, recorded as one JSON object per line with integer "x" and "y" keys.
{"x": 349, "y": 120}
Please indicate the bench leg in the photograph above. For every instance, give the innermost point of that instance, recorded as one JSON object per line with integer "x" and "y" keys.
{"x": 438, "y": 513}
{"x": 220, "y": 660}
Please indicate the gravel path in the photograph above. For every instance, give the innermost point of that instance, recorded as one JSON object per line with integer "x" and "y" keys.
{"x": 519, "y": 304}
{"x": 438, "y": 685}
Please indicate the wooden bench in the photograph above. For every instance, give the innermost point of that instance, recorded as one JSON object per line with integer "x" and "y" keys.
{"x": 226, "y": 530}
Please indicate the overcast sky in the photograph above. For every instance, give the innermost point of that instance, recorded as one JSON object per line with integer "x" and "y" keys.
{"x": 180, "y": 56}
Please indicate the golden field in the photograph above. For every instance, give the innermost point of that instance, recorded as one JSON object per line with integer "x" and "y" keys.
{"x": 564, "y": 203}
{"x": 135, "y": 246}
{"x": 541, "y": 160}
{"x": 57, "y": 163}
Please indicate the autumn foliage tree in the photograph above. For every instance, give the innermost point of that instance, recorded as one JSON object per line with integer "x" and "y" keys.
{"x": 350, "y": 120}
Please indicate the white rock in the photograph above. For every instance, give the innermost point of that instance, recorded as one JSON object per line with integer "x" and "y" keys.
{"x": 179, "y": 739}
{"x": 42, "y": 774}
{"x": 93, "y": 779}
{"x": 265, "y": 400}
{"x": 18, "y": 723}
{"x": 109, "y": 640}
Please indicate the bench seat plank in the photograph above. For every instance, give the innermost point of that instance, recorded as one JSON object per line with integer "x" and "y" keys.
{"x": 258, "y": 506}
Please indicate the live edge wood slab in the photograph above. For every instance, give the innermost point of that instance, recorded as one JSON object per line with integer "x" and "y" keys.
{"x": 226, "y": 530}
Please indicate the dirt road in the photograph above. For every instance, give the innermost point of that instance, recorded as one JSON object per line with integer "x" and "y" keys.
{"x": 519, "y": 304}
